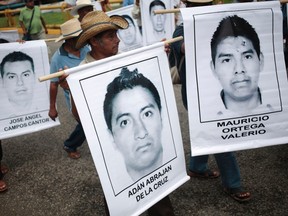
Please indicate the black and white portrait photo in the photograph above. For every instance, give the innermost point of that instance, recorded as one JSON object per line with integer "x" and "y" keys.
{"x": 24, "y": 100}
{"x": 237, "y": 63}
{"x": 134, "y": 121}
{"x": 158, "y": 21}
{"x": 156, "y": 26}
{"x": 132, "y": 111}
{"x": 236, "y": 77}
{"x": 130, "y": 38}
{"x": 132, "y": 128}
{"x": 18, "y": 80}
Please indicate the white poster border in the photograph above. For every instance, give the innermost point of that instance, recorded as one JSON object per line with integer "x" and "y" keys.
{"x": 204, "y": 135}
{"x": 131, "y": 200}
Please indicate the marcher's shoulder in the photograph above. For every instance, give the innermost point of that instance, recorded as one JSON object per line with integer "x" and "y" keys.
{"x": 55, "y": 55}
{"x": 55, "y": 61}
{"x": 179, "y": 31}
{"x": 22, "y": 9}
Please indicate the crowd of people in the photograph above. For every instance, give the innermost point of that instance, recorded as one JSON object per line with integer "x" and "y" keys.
{"x": 84, "y": 41}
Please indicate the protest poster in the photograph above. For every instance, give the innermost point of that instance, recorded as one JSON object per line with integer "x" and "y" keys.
{"x": 131, "y": 37}
{"x": 10, "y": 35}
{"x": 24, "y": 101}
{"x": 156, "y": 27}
{"x": 128, "y": 111}
{"x": 97, "y": 5}
{"x": 236, "y": 77}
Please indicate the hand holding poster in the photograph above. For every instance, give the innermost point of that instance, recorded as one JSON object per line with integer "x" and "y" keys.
{"x": 237, "y": 84}
{"x": 24, "y": 102}
{"x": 131, "y": 123}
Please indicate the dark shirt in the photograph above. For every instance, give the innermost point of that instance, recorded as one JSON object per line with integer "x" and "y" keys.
{"x": 176, "y": 49}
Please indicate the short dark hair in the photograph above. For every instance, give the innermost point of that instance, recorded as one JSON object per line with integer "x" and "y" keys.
{"x": 13, "y": 57}
{"x": 154, "y": 3}
{"x": 125, "y": 16}
{"x": 234, "y": 26}
{"x": 197, "y": 4}
{"x": 127, "y": 80}
{"x": 2, "y": 40}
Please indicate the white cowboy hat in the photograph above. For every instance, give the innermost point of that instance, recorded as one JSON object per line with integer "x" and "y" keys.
{"x": 96, "y": 22}
{"x": 80, "y": 4}
{"x": 69, "y": 29}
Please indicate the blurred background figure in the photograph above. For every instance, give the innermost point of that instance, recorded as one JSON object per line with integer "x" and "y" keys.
{"x": 32, "y": 22}
{"x": 82, "y": 8}
{"x": 127, "y": 2}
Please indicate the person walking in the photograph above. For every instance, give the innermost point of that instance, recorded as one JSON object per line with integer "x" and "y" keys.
{"x": 67, "y": 56}
{"x": 32, "y": 22}
{"x": 226, "y": 162}
{"x": 100, "y": 32}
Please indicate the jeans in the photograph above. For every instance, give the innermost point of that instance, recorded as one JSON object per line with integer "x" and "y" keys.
{"x": 227, "y": 164}
{"x": 76, "y": 138}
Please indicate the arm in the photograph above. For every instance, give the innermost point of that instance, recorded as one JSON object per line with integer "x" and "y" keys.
{"x": 21, "y": 23}
{"x": 23, "y": 27}
{"x": 53, "y": 95}
{"x": 63, "y": 83}
{"x": 182, "y": 47}
{"x": 136, "y": 10}
{"x": 44, "y": 24}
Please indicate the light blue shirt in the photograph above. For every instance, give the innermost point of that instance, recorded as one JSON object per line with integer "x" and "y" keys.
{"x": 62, "y": 58}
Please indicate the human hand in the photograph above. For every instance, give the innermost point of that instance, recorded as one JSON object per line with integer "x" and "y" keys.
{"x": 53, "y": 114}
{"x": 167, "y": 47}
{"x": 20, "y": 41}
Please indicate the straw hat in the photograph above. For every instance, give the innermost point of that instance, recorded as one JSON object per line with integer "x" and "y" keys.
{"x": 80, "y": 4}
{"x": 69, "y": 29}
{"x": 96, "y": 22}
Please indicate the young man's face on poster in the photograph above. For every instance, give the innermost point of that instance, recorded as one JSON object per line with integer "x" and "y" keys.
{"x": 158, "y": 20}
{"x": 136, "y": 128}
{"x": 128, "y": 36}
{"x": 237, "y": 67}
{"x": 19, "y": 81}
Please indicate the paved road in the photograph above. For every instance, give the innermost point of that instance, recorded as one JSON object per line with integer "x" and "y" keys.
{"x": 43, "y": 181}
